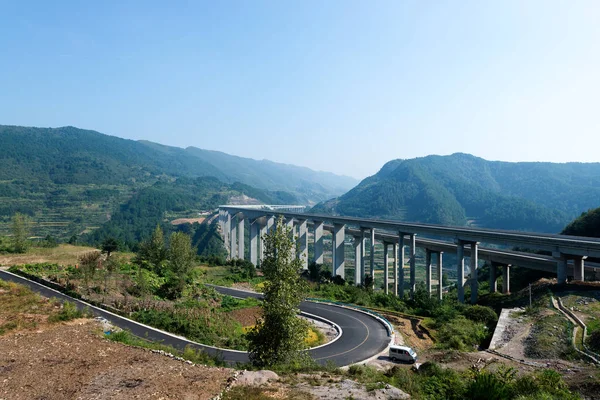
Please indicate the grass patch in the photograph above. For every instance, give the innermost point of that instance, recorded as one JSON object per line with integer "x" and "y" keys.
{"x": 64, "y": 254}
{"x": 550, "y": 338}
{"x": 435, "y": 382}
{"x": 189, "y": 353}
{"x": 68, "y": 312}
{"x": 262, "y": 393}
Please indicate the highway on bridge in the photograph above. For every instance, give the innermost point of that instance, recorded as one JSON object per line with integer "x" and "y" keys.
{"x": 362, "y": 335}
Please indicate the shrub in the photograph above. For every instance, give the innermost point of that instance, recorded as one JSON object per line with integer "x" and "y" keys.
{"x": 68, "y": 311}
{"x": 461, "y": 334}
{"x": 481, "y": 314}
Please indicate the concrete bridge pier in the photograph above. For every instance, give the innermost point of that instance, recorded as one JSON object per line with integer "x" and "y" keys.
{"x": 254, "y": 228}
{"x": 339, "y": 234}
{"x": 227, "y": 233}
{"x": 372, "y": 254}
{"x": 233, "y": 239}
{"x": 386, "y": 268}
{"x": 303, "y": 242}
{"x": 240, "y": 232}
{"x": 261, "y": 242}
{"x": 460, "y": 270}
{"x": 474, "y": 266}
{"x": 440, "y": 273}
{"x": 363, "y": 271}
{"x": 506, "y": 279}
{"x": 578, "y": 268}
{"x": 400, "y": 255}
{"x": 318, "y": 238}
{"x": 270, "y": 223}
{"x": 395, "y": 269}
{"x": 357, "y": 260}
{"x": 428, "y": 269}
{"x": 561, "y": 269}
{"x": 413, "y": 265}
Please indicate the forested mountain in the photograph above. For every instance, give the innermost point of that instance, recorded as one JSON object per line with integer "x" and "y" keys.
{"x": 71, "y": 181}
{"x": 162, "y": 202}
{"x": 462, "y": 189}
{"x": 77, "y": 156}
{"x": 587, "y": 224}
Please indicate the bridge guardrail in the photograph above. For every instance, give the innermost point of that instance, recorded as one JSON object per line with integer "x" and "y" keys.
{"x": 388, "y": 325}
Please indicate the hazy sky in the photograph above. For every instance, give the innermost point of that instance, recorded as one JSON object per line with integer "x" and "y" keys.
{"x": 341, "y": 86}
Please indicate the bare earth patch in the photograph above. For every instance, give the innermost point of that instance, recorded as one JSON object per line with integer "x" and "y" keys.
{"x": 70, "y": 361}
{"x": 180, "y": 221}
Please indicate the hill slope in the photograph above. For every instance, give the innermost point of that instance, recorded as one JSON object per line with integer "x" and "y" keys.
{"x": 462, "y": 189}
{"x": 587, "y": 224}
{"x": 71, "y": 180}
{"x": 77, "y": 156}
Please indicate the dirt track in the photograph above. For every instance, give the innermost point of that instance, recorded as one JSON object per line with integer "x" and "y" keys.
{"x": 71, "y": 361}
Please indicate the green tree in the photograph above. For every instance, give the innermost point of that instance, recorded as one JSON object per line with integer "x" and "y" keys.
{"x": 277, "y": 339}
{"x": 109, "y": 245}
{"x": 153, "y": 253}
{"x": 88, "y": 263}
{"x": 181, "y": 257}
{"x": 20, "y": 231}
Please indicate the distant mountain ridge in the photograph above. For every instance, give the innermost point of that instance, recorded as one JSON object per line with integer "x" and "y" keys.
{"x": 72, "y": 155}
{"x": 463, "y": 189}
{"x": 74, "y": 182}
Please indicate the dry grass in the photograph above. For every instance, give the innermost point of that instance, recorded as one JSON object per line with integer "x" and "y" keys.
{"x": 64, "y": 254}
{"x": 21, "y": 308}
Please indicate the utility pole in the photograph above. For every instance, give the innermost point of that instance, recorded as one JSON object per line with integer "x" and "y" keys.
{"x": 530, "y": 295}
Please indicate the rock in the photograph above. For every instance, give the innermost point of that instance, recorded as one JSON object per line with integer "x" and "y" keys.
{"x": 255, "y": 378}
{"x": 391, "y": 393}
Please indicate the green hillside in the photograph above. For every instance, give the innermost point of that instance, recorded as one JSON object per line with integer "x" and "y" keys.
{"x": 166, "y": 201}
{"x": 71, "y": 181}
{"x": 462, "y": 189}
{"x": 587, "y": 224}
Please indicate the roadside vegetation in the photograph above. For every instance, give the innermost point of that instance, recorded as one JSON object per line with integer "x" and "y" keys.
{"x": 433, "y": 381}
{"x": 21, "y": 309}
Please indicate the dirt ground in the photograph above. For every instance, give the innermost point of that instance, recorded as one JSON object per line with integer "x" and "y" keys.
{"x": 180, "y": 221}
{"x": 246, "y": 316}
{"x": 71, "y": 361}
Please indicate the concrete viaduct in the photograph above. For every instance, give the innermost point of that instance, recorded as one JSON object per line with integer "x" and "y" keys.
{"x": 568, "y": 252}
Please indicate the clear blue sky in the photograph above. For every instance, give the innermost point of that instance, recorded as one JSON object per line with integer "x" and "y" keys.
{"x": 341, "y": 86}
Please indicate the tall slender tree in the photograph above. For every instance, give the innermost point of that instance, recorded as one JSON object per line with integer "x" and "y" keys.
{"x": 20, "y": 231}
{"x": 278, "y": 338}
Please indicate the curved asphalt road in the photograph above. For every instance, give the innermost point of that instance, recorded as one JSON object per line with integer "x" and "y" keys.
{"x": 363, "y": 336}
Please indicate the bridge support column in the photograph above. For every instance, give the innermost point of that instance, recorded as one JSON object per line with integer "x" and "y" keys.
{"x": 357, "y": 260}
{"x": 506, "y": 279}
{"x": 303, "y": 243}
{"x": 227, "y": 233}
{"x": 400, "y": 256}
{"x": 240, "y": 232}
{"x": 578, "y": 268}
{"x": 493, "y": 278}
{"x": 270, "y": 223}
{"x": 474, "y": 266}
{"x": 372, "y": 265}
{"x": 362, "y": 256}
{"x": 261, "y": 243}
{"x": 395, "y": 268}
{"x": 289, "y": 223}
{"x": 339, "y": 233}
{"x": 460, "y": 270}
{"x": 232, "y": 240}
{"x": 254, "y": 242}
{"x": 318, "y": 250}
{"x": 413, "y": 265}
{"x": 561, "y": 270}
{"x": 428, "y": 271}
{"x": 440, "y": 275}
{"x": 386, "y": 268}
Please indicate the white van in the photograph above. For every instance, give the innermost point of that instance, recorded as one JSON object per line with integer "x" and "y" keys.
{"x": 403, "y": 353}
